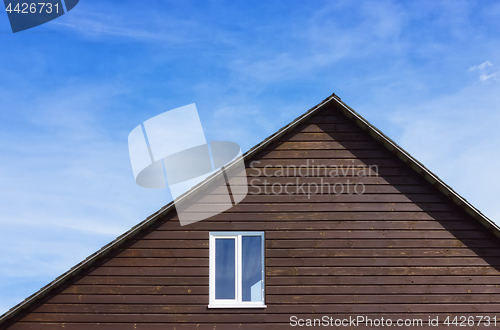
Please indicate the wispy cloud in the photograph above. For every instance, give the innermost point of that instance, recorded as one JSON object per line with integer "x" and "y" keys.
{"x": 487, "y": 70}
{"x": 481, "y": 67}
{"x": 317, "y": 41}
{"x": 151, "y": 24}
{"x": 456, "y": 137}
{"x": 68, "y": 186}
{"x": 100, "y": 26}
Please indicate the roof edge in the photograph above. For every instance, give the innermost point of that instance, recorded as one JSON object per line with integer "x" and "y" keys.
{"x": 87, "y": 262}
{"x": 418, "y": 167}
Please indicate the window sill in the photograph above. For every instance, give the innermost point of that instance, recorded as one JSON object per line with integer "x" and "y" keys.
{"x": 236, "y": 306}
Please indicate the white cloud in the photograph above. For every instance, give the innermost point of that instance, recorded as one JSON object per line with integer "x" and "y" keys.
{"x": 102, "y": 27}
{"x": 487, "y": 71}
{"x": 481, "y": 66}
{"x": 152, "y": 24}
{"x": 484, "y": 77}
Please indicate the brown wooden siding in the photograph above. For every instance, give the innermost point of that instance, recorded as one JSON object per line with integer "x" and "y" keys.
{"x": 400, "y": 250}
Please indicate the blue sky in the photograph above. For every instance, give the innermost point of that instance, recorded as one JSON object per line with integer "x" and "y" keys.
{"x": 426, "y": 73}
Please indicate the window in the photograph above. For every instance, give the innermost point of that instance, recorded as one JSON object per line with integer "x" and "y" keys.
{"x": 236, "y": 269}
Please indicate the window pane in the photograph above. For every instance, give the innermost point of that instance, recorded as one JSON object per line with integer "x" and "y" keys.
{"x": 224, "y": 268}
{"x": 251, "y": 268}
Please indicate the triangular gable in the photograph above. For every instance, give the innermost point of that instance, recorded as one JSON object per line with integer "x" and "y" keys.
{"x": 332, "y": 102}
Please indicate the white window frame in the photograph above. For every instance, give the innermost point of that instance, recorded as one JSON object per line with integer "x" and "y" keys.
{"x": 237, "y": 302}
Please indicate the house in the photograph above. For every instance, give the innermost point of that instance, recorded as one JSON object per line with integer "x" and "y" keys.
{"x": 341, "y": 228}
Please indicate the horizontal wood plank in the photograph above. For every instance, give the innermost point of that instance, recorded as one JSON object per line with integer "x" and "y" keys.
{"x": 336, "y": 234}
{"x": 271, "y": 309}
{"x": 303, "y": 137}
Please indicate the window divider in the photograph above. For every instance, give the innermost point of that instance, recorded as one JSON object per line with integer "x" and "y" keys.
{"x": 239, "y": 272}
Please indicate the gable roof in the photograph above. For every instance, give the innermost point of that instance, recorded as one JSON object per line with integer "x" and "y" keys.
{"x": 331, "y": 100}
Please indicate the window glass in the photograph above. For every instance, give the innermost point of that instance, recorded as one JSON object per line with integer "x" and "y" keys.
{"x": 225, "y": 268}
{"x": 251, "y": 268}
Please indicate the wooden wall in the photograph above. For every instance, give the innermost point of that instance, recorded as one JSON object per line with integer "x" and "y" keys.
{"x": 400, "y": 250}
